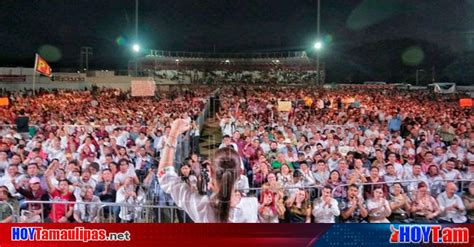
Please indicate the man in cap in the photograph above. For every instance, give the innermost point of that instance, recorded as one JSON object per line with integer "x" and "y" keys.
{"x": 32, "y": 212}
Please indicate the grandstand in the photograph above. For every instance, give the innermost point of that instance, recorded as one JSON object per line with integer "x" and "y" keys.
{"x": 199, "y": 67}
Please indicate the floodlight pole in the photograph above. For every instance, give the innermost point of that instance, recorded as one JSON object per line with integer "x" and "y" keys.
{"x": 136, "y": 20}
{"x": 34, "y": 74}
{"x": 318, "y": 32}
{"x": 417, "y": 75}
{"x": 136, "y": 35}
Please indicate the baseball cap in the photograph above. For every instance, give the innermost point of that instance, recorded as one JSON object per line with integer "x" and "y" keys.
{"x": 34, "y": 180}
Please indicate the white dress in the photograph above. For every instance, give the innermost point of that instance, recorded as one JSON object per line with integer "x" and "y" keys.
{"x": 199, "y": 207}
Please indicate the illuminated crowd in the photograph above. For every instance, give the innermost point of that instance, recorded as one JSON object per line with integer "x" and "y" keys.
{"x": 332, "y": 156}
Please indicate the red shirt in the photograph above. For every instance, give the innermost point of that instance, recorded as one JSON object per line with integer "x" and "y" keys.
{"x": 59, "y": 210}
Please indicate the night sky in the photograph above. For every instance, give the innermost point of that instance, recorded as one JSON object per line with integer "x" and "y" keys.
{"x": 58, "y": 28}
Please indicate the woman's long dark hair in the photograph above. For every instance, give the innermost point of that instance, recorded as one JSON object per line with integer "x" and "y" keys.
{"x": 226, "y": 169}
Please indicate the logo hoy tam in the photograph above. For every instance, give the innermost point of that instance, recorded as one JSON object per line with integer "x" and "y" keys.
{"x": 429, "y": 234}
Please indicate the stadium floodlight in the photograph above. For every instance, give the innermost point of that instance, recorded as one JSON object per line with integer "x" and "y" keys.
{"x": 136, "y": 47}
{"x": 318, "y": 45}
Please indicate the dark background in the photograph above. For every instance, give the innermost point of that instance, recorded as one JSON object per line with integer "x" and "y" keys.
{"x": 386, "y": 40}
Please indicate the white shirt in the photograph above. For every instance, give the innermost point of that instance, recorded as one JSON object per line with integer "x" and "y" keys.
{"x": 227, "y": 128}
{"x": 265, "y": 147}
{"x": 234, "y": 146}
{"x": 308, "y": 178}
{"x": 122, "y": 138}
{"x": 126, "y": 213}
{"x": 411, "y": 186}
{"x": 157, "y": 142}
{"x": 6, "y": 180}
{"x": 451, "y": 175}
{"x": 91, "y": 147}
{"x": 323, "y": 213}
{"x": 445, "y": 202}
{"x": 199, "y": 207}
{"x": 162, "y": 142}
{"x": 243, "y": 184}
{"x": 399, "y": 169}
{"x": 120, "y": 177}
{"x": 390, "y": 178}
{"x": 140, "y": 142}
{"x": 371, "y": 134}
{"x": 381, "y": 206}
{"x": 333, "y": 164}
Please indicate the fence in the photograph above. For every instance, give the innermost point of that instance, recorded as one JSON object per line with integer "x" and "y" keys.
{"x": 108, "y": 212}
{"x": 411, "y": 185}
{"x": 253, "y": 55}
{"x": 7, "y": 210}
{"x": 103, "y": 212}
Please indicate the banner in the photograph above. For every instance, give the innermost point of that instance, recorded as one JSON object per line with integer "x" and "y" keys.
{"x": 368, "y": 86}
{"x": 42, "y": 67}
{"x": 284, "y": 105}
{"x": 466, "y": 102}
{"x": 4, "y": 101}
{"x": 69, "y": 77}
{"x": 12, "y": 78}
{"x": 143, "y": 88}
{"x": 444, "y": 87}
{"x": 196, "y": 235}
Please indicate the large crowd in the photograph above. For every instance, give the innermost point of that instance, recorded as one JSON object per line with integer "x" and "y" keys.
{"x": 272, "y": 75}
{"x": 333, "y": 156}
{"x": 97, "y": 145}
{"x": 352, "y": 156}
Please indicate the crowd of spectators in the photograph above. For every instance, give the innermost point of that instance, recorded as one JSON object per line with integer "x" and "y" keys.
{"x": 96, "y": 146}
{"x": 413, "y": 151}
{"x": 272, "y": 75}
{"x": 335, "y": 156}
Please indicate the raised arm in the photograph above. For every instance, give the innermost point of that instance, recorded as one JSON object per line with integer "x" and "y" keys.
{"x": 48, "y": 174}
{"x": 178, "y": 127}
{"x": 148, "y": 178}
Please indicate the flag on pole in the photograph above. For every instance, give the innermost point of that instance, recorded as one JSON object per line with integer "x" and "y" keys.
{"x": 42, "y": 67}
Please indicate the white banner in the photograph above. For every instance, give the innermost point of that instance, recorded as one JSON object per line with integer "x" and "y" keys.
{"x": 143, "y": 88}
{"x": 284, "y": 106}
{"x": 444, "y": 87}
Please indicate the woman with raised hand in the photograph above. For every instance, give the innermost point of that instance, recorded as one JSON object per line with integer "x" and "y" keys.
{"x": 268, "y": 211}
{"x": 225, "y": 204}
{"x": 299, "y": 207}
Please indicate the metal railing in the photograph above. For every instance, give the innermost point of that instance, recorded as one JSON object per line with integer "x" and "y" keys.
{"x": 12, "y": 210}
{"x": 461, "y": 183}
{"x": 109, "y": 212}
{"x": 248, "y": 55}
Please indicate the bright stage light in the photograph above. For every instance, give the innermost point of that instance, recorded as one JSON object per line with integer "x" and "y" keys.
{"x": 318, "y": 45}
{"x": 136, "y": 48}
